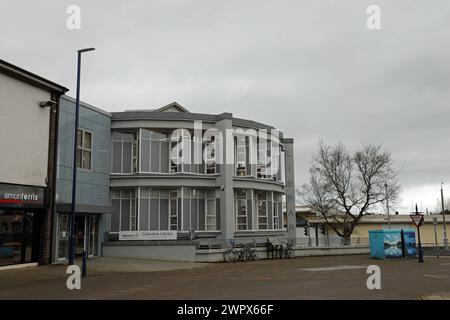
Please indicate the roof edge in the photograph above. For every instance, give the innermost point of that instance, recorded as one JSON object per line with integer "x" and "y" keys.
{"x": 31, "y": 78}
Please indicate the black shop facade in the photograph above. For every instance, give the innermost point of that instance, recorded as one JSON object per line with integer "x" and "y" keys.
{"x": 22, "y": 209}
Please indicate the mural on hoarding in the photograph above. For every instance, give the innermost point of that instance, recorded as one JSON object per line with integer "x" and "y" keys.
{"x": 392, "y": 245}
{"x": 410, "y": 243}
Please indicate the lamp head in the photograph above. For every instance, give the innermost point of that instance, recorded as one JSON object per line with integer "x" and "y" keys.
{"x": 86, "y": 50}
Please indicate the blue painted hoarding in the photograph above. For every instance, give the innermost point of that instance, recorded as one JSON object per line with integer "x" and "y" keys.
{"x": 409, "y": 238}
{"x": 385, "y": 244}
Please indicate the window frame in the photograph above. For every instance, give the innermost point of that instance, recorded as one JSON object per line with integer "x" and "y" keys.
{"x": 258, "y": 214}
{"x": 209, "y": 198}
{"x": 237, "y": 211}
{"x": 176, "y": 210}
{"x": 83, "y": 150}
{"x": 122, "y": 141}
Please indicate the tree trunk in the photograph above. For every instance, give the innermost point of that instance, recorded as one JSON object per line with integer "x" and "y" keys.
{"x": 345, "y": 241}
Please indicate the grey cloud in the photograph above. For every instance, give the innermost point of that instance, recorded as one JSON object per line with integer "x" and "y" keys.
{"x": 310, "y": 68}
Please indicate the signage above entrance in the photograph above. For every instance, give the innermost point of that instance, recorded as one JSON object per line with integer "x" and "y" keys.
{"x": 148, "y": 235}
{"x": 18, "y": 196}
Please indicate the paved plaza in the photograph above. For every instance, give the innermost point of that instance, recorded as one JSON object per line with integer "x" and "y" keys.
{"x": 338, "y": 277}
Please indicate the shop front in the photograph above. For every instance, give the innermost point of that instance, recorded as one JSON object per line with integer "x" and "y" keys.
{"x": 21, "y": 209}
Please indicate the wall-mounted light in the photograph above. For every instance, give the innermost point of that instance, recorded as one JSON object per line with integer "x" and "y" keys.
{"x": 47, "y": 104}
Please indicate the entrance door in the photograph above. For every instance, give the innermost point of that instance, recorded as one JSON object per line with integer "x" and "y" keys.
{"x": 92, "y": 236}
{"x": 63, "y": 236}
{"x": 86, "y": 235}
{"x": 80, "y": 232}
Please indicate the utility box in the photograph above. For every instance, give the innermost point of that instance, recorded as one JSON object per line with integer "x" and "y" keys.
{"x": 385, "y": 244}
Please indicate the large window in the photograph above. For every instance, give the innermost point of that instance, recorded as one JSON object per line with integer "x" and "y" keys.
{"x": 173, "y": 210}
{"x": 123, "y": 206}
{"x": 268, "y": 158}
{"x": 243, "y": 209}
{"x": 84, "y": 150}
{"x": 211, "y": 223}
{"x": 181, "y": 152}
{"x": 154, "y": 151}
{"x": 262, "y": 206}
{"x": 200, "y": 209}
{"x": 263, "y": 169}
{"x": 241, "y": 148}
{"x": 123, "y": 159}
{"x": 176, "y": 209}
{"x": 210, "y": 155}
{"x": 154, "y": 209}
{"x": 277, "y": 210}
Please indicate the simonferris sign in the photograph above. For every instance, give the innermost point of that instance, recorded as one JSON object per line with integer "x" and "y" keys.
{"x": 21, "y": 196}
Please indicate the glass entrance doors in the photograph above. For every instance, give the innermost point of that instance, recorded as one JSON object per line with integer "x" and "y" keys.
{"x": 86, "y": 235}
{"x": 18, "y": 242}
{"x": 80, "y": 232}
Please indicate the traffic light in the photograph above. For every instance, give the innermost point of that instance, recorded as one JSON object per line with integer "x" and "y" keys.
{"x": 322, "y": 229}
{"x": 306, "y": 230}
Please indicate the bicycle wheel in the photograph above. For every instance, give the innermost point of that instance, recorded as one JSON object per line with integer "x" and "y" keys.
{"x": 290, "y": 252}
{"x": 241, "y": 255}
{"x": 229, "y": 255}
{"x": 254, "y": 255}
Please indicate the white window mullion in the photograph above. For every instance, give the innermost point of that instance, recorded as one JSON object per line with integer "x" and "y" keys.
{"x": 182, "y": 206}
{"x": 120, "y": 210}
{"x": 138, "y": 209}
{"x": 158, "y": 214}
{"x": 130, "y": 209}
{"x": 190, "y": 209}
{"x": 159, "y": 158}
{"x": 121, "y": 155}
{"x": 254, "y": 210}
{"x": 140, "y": 150}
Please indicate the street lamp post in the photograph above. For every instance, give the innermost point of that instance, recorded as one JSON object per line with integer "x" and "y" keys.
{"x": 387, "y": 205}
{"x": 443, "y": 219}
{"x": 74, "y": 168}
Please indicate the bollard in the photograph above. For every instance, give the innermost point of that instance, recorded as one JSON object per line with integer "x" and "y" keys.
{"x": 84, "y": 265}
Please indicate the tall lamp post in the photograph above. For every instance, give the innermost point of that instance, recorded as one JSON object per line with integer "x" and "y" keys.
{"x": 387, "y": 204}
{"x": 443, "y": 219}
{"x": 74, "y": 168}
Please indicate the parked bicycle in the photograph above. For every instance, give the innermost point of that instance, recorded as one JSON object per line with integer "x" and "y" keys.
{"x": 250, "y": 253}
{"x": 232, "y": 254}
{"x": 287, "y": 250}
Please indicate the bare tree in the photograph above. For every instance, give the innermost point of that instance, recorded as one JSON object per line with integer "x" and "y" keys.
{"x": 345, "y": 186}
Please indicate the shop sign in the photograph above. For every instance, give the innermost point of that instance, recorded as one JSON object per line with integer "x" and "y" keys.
{"x": 19, "y": 196}
{"x": 148, "y": 235}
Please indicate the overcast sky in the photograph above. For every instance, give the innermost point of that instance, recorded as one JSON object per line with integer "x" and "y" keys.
{"x": 310, "y": 68}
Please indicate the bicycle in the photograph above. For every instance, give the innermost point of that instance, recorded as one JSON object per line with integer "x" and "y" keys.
{"x": 287, "y": 250}
{"x": 232, "y": 254}
{"x": 250, "y": 253}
